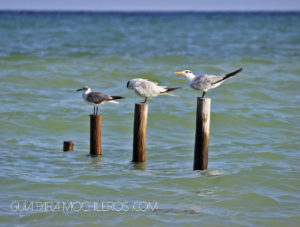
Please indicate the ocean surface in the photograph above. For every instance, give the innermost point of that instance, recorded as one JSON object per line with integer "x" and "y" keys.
{"x": 254, "y": 153}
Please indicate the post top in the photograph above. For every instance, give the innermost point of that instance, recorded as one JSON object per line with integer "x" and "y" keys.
{"x": 68, "y": 141}
{"x": 203, "y": 98}
{"x": 141, "y": 103}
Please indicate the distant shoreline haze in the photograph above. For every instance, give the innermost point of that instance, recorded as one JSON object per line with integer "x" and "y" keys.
{"x": 152, "y": 11}
{"x": 153, "y": 5}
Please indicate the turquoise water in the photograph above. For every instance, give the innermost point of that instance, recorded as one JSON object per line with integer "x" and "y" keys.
{"x": 253, "y": 172}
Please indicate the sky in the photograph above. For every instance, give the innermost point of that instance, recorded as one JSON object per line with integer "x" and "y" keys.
{"x": 152, "y": 5}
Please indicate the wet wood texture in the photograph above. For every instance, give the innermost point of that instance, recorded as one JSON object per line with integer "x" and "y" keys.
{"x": 95, "y": 134}
{"x": 68, "y": 146}
{"x": 139, "y": 132}
{"x": 202, "y": 134}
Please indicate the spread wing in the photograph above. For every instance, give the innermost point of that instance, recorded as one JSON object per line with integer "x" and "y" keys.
{"x": 205, "y": 81}
{"x": 210, "y": 81}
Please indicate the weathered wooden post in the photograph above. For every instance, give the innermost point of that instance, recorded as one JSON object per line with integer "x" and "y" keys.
{"x": 95, "y": 134}
{"x": 139, "y": 132}
{"x": 202, "y": 134}
{"x": 68, "y": 146}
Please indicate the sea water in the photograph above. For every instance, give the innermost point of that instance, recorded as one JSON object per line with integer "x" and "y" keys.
{"x": 253, "y": 171}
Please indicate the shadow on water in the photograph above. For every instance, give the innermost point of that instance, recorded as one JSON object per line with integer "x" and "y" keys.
{"x": 137, "y": 165}
{"x": 95, "y": 161}
{"x": 210, "y": 173}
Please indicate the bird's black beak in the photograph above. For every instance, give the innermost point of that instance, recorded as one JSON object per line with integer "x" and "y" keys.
{"x": 128, "y": 83}
{"x": 79, "y": 89}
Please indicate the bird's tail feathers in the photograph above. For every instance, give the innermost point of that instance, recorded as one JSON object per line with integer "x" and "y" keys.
{"x": 168, "y": 91}
{"x": 172, "y": 89}
{"x": 170, "y": 94}
{"x": 112, "y": 101}
{"x": 227, "y": 76}
{"x": 117, "y": 97}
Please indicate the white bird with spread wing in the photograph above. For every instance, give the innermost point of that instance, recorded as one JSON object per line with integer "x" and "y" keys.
{"x": 148, "y": 89}
{"x": 205, "y": 82}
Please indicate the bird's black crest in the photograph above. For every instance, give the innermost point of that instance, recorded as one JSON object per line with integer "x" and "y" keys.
{"x": 128, "y": 83}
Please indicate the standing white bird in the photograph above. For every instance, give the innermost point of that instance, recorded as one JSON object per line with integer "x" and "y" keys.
{"x": 148, "y": 89}
{"x": 97, "y": 98}
{"x": 205, "y": 82}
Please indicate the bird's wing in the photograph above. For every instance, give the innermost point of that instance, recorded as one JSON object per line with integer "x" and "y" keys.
{"x": 220, "y": 79}
{"x": 205, "y": 81}
{"x": 210, "y": 81}
{"x": 147, "y": 82}
{"x": 147, "y": 88}
{"x": 97, "y": 97}
{"x": 201, "y": 82}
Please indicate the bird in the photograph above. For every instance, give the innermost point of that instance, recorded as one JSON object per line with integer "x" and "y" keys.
{"x": 97, "y": 98}
{"x": 148, "y": 89}
{"x": 205, "y": 82}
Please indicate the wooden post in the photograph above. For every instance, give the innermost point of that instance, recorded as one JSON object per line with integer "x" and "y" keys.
{"x": 68, "y": 146}
{"x": 139, "y": 132}
{"x": 95, "y": 134}
{"x": 202, "y": 134}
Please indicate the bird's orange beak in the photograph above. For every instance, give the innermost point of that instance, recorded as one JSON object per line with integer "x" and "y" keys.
{"x": 181, "y": 73}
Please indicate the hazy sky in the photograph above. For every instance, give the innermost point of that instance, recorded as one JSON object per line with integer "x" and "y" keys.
{"x": 150, "y": 5}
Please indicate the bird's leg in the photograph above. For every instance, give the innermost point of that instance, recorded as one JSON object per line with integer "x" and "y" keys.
{"x": 203, "y": 94}
{"x": 145, "y": 100}
{"x": 97, "y": 111}
{"x": 94, "y": 110}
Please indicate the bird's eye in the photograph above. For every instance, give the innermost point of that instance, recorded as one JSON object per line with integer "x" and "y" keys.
{"x": 186, "y": 71}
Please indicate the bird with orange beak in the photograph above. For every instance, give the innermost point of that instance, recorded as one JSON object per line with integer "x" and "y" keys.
{"x": 205, "y": 82}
